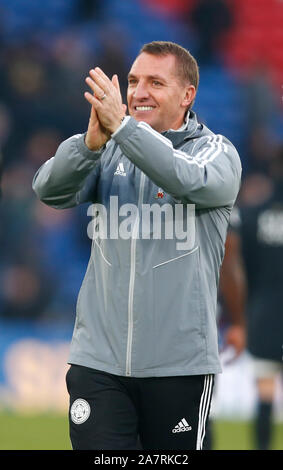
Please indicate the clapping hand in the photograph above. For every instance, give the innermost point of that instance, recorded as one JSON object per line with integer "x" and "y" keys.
{"x": 107, "y": 108}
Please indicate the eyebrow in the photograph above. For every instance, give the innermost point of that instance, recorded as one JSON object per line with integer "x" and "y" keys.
{"x": 151, "y": 77}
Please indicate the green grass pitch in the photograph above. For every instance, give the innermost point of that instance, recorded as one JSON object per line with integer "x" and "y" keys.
{"x": 50, "y": 432}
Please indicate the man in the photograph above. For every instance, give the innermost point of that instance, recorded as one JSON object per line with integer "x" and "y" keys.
{"x": 233, "y": 290}
{"x": 231, "y": 304}
{"x": 260, "y": 226}
{"x": 144, "y": 349}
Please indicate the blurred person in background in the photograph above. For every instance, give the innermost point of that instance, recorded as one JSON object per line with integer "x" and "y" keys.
{"x": 25, "y": 85}
{"x": 233, "y": 292}
{"x": 260, "y": 228}
{"x": 112, "y": 58}
{"x": 262, "y": 113}
{"x": 16, "y": 212}
{"x": 210, "y": 20}
{"x": 88, "y": 9}
{"x": 25, "y": 292}
{"x": 231, "y": 304}
{"x": 123, "y": 372}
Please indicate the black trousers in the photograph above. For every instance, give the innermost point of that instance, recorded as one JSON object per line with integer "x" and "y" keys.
{"x": 158, "y": 413}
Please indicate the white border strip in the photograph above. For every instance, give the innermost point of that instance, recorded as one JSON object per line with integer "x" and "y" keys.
{"x": 213, "y": 147}
{"x": 203, "y": 409}
{"x": 207, "y": 405}
{"x": 100, "y": 249}
{"x": 173, "y": 259}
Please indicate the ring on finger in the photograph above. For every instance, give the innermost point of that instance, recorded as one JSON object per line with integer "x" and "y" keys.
{"x": 103, "y": 97}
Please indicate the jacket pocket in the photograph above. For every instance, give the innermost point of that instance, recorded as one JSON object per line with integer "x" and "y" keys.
{"x": 177, "y": 312}
{"x": 176, "y": 258}
{"x": 95, "y": 289}
{"x": 96, "y": 331}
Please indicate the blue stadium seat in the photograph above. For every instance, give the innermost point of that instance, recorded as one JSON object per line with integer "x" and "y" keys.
{"x": 220, "y": 103}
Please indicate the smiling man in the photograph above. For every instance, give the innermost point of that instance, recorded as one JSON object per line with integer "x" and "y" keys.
{"x": 160, "y": 89}
{"x": 144, "y": 350}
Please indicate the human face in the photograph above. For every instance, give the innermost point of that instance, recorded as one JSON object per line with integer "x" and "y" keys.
{"x": 155, "y": 92}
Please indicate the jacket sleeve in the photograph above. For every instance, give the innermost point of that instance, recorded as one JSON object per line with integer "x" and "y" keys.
{"x": 63, "y": 180}
{"x": 208, "y": 176}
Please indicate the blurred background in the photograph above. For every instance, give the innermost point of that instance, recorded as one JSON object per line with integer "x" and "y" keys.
{"x": 46, "y": 50}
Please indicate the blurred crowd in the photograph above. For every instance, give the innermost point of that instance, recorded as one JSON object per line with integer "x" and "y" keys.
{"x": 44, "y": 252}
{"x": 46, "y": 50}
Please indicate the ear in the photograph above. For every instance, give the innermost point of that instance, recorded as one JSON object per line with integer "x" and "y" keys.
{"x": 190, "y": 93}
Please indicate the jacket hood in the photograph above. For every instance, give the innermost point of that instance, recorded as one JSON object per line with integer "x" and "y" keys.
{"x": 192, "y": 130}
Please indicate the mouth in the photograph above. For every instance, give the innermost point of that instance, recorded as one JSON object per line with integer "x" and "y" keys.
{"x": 143, "y": 108}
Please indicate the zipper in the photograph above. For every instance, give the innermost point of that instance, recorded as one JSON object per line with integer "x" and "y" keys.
{"x": 132, "y": 280}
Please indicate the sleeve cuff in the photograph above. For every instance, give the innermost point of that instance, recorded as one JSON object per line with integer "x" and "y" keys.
{"x": 126, "y": 128}
{"x": 123, "y": 123}
{"x": 85, "y": 151}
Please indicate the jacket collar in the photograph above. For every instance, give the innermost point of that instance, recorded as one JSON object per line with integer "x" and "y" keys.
{"x": 190, "y": 130}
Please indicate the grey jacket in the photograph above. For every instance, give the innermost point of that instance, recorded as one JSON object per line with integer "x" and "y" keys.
{"x": 147, "y": 304}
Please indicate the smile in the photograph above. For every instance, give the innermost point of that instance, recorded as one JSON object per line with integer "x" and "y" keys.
{"x": 144, "y": 108}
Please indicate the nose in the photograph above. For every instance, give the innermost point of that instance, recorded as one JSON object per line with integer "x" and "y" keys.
{"x": 141, "y": 92}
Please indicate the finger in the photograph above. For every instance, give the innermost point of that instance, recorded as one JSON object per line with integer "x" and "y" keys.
{"x": 96, "y": 103}
{"x": 93, "y": 114}
{"x": 116, "y": 83}
{"x": 97, "y": 90}
{"x": 102, "y": 75}
{"x": 101, "y": 80}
